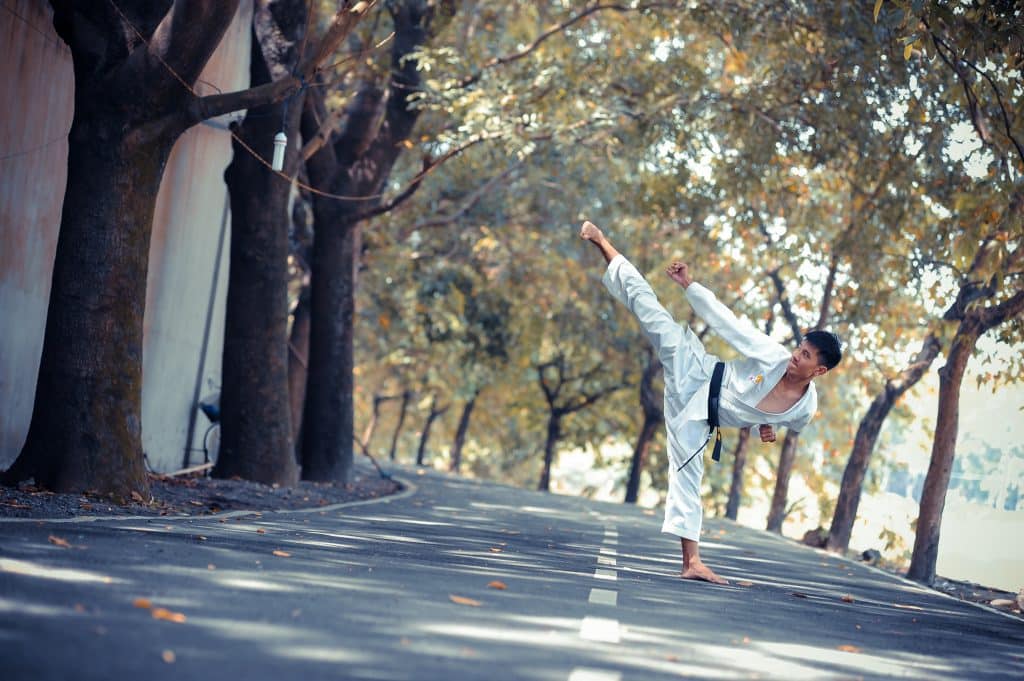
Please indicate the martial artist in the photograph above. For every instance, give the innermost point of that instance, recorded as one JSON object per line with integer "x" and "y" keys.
{"x": 769, "y": 387}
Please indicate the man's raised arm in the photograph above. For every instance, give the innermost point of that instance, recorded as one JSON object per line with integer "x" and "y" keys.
{"x": 591, "y": 233}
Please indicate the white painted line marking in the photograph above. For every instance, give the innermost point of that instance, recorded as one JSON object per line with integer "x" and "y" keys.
{"x": 609, "y": 552}
{"x": 587, "y": 674}
{"x": 605, "y": 574}
{"x": 604, "y": 597}
{"x": 600, "y": 629}
{"x": 611, "y": 542}
{"x": 605, "y": 560}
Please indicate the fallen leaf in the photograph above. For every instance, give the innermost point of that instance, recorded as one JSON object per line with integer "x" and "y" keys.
{"x": 195, "y": 503}
{"x": 211, "y": 566}
{"x": 501, "y": 586}
{"x": 906, "y": 607}
{"x": 282, "y": 554}
{"x": 143, "y": 603}
{"x": 57, "y": 541}
{"x": 847, "y": 598}
{"x": 138, "y": 497}
{"x": 744, "y": 583}
{"x": 167, "y": 615}
{"x": 168, "y": 656}
{"x": 495, "y": 549}
{"x": 260, "y": 530}
{"x": 848, "y": 648}
{"x": 462, "y": 600}
{"x": 799, "y": 595}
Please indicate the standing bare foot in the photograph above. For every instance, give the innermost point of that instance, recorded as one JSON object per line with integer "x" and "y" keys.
{"x": 701, "y": 572}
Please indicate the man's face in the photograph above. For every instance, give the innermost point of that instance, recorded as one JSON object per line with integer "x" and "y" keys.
{"x": 804, "y": 363}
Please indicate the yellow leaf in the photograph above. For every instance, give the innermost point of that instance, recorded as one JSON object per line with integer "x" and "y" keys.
{"x": 908, "y": 51}
{"x": 261, "y": 531}
{"x": 878, "y": 8}
{"x": 848, "y": 649}
{"x": 57, "y": 541}
{"x": 167, "y": 615}
{"x": 462, "y": 600}
{"x": 744, "y": 583}
{"x": 143, "y": 603}
{"x": 407, "y": 144}
{"x": 168, "y": 656}
{"x": 847, "y": 598}
{"x": 500, "y": 586}
{"x": 384, "y": 321}
{"x": 282, "y": 554}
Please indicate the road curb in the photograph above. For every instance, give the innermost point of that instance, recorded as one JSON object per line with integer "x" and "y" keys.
{"x": 900, "y": 578}
{"x": 408, "y": 489}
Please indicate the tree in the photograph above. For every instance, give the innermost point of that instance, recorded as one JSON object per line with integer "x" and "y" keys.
{"x": 653, "y": 417}
{"x": 864, "y": 443}
{"x": 350, "y": 173}
{"x": 134, "y": 74}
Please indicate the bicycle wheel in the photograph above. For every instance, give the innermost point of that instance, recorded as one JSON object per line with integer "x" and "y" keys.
{"x": 211, "y": 443}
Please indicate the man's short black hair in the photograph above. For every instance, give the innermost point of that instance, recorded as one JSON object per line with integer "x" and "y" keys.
{"x": 830, "y": 349}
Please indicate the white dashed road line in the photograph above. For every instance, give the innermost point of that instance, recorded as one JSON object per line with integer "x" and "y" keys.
{"x": 600, "y": 629}
{"x": 604, "y": 597}
{"x": 587, "y": 674}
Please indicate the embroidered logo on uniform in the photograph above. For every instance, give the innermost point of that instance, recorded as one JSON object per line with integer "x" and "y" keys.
{"x": 757, "y": 379}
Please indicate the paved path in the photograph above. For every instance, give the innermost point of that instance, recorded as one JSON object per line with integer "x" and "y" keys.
{"x": 400, "y": 590}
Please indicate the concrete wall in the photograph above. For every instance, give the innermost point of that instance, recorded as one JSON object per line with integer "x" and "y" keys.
{"x": 37, "y": 83}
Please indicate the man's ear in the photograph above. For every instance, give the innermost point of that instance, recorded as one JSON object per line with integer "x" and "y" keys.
{"x": 821, "y": 370}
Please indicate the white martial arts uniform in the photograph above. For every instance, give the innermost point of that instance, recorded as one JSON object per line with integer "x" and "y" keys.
{"x": 688, "y": 367}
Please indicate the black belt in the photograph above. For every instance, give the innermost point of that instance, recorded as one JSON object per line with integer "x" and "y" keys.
{"x": 713, "y": 427}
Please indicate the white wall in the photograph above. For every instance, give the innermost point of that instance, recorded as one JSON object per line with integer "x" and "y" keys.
{"x": 36, "y": 82}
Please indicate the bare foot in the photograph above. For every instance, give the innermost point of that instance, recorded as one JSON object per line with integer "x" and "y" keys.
{"x": 703, "y": 573}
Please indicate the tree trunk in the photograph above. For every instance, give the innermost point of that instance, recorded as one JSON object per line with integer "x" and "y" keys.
{"x": 777, "y": 513}
{"x": 406, "y": 397}
{"x": 298, "y": 362}
{"x": 550, "y": 442}
{"x": 864, "y": 445}
{"x": 460, "y": 432}
{"x": 85, "y": 431}
{"x": 435, "y": 412}
{"x": 357, "y": 164}
{"x": 936, "y": 482}
{"x": 739, "y": 464}
{"x": 654, "y": 416}
{"x": 256, "y": 431}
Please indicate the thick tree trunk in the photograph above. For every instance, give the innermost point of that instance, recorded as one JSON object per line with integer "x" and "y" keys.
{"x": 864, "y": 445}
{"x": 85, "y": 432}
{"x": 554, "y": 433}
{"x": 777, "y": 513}
{"x": 654, "y": 416}
{"x": 739, "y": 464}
{"x": 298, "y": 362}
{"x": 936, "y": 482}
{"x": 357, "y": 164}
{"x": 460, "y": 432}
{"x": 435, "y": 412}
{"x": 328, "y": 418}
{"x": 406, "y": 397}
{"x": 256, "y": 431}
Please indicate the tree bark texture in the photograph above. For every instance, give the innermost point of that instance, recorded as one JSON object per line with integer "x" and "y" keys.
{"x": 461, "y": 431}
{"x": 256, "y": 431}
{"x": 864, "y": 445}
{"x": 777, "y": 512}
{"x": 654, "y": 416}
{"x": 85, "y": 431}
{"x": 357, "y": 164}
{"x": 739, "y": 465}
{"x": 936, "y": 481}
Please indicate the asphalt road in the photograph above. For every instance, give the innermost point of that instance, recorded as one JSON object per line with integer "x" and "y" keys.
{"x": 410, "y": 588}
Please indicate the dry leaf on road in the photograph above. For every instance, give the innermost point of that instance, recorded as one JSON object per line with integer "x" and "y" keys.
{"x": 501, "y": 586}
{"x": 282, "y": 554}
{"x": 848, "y": 648}
{"x": 143, "y": 603}
{"x": 169, "y": 656}
{"x": 462, "y": 600}
{"x": 167, "y": 615}
{"x": 57, "y": 541}
{"x": 847, "y": 598}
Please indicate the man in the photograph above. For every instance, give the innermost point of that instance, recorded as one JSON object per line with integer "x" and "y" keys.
{"x": 770, "y": 387}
